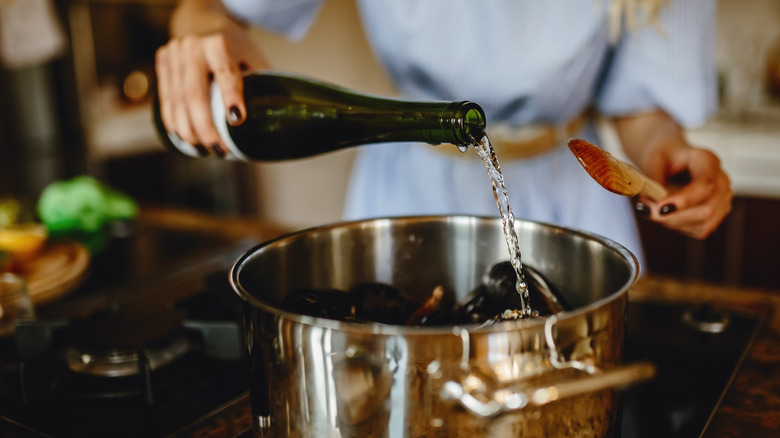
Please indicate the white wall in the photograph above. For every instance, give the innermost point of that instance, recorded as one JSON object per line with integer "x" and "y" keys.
{"x": 747, "y": 30}
{"x": 746, "y": 132}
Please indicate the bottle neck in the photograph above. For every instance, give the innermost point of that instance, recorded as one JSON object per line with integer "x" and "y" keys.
{"x": 174, "y": 143}
{"x": 341, "y": 117}
{"x": 467, "y": 123}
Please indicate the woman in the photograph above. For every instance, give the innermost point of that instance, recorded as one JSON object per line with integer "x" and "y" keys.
{"x": 535, "y": 67}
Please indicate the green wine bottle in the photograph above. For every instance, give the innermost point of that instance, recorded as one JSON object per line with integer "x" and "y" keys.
{"x": 290, "y": 117}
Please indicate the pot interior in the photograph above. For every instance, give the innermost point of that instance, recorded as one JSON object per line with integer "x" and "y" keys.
{"x": 416, "y": 254}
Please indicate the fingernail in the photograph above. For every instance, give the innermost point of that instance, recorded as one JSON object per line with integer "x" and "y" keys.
{"x": 642, "y": 210}
{"x": 235, "y": 114}
{"x": 202, "y": 151}
{"x": 668, "y": 208}
{"x": 220, "y": 152}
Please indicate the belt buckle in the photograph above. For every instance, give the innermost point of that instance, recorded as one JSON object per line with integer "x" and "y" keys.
{"x": 522, "y": 142}
{"x": 526, "y": 141}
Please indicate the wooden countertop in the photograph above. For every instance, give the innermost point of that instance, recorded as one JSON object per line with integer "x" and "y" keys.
{"x": 228, "y": 226}
{"x": 751, "y": 406}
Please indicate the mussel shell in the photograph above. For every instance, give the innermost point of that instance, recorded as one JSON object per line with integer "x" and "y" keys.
{"x": 385, "y": 304}
{"x": 381, "y": 303}
{"x": 543, "y": 295}
{"x": 475, "y": 308}
{"x": 330, "y": 304}
{"x": 498, "y": 293}
{"x": 501, "y": 288}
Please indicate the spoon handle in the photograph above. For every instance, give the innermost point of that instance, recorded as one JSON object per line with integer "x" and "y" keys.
{"x": 646, "y": 186}
{"x": 653, "y": 190}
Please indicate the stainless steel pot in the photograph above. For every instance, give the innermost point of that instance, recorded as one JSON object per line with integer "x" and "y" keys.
{"x": 556, "y": 376}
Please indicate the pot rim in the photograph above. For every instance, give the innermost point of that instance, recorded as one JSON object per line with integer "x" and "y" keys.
{"x": 386, "y": 329}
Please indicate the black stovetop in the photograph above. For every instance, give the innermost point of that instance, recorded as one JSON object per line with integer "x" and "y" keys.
{"x": 696, "y": 350}
{"x": 206, "y": 394}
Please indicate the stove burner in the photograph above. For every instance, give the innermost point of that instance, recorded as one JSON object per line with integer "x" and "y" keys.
{"x": 120, "y": 345}
{"x": 706, "y": 319}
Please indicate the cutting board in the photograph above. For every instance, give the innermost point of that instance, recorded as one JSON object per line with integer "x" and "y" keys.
{"x": 56, "y": 271}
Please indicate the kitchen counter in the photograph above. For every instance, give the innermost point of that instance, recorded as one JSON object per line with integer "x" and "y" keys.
{"x": 750, "y": 407}
{"x": 748, "y": 152}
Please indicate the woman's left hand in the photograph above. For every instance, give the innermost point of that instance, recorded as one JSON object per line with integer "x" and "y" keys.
{"x": 700, "y": 193}
{"x": 698, "y": 206}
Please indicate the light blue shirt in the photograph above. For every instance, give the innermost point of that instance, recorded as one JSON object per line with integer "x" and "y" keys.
{"x": 524, "y": 62}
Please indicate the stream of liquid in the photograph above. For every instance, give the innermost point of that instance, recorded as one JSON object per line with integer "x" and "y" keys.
{"x": 488, "y": 155}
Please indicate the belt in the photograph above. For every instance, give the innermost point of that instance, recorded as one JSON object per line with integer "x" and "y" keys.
{"x": 520, "y": 142}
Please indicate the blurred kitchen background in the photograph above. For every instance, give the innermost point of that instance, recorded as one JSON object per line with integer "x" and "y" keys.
{"x": 84, "y": 106}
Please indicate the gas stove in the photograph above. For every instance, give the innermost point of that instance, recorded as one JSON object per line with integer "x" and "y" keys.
{"x": 162, "y": 354}
{"x": 150, "y": 389}
{"x": 148, "y": 346}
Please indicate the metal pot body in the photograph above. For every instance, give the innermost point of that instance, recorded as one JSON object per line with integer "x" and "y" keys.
{"x": 314, "y": 377}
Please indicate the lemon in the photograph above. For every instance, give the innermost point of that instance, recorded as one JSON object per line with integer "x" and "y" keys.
{"x": 23, "y": 241}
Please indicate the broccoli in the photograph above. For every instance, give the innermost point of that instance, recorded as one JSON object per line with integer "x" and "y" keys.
{"x": 82, "y": 204}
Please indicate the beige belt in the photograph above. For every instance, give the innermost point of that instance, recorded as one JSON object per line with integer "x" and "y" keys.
{"x": 515, "y": 143}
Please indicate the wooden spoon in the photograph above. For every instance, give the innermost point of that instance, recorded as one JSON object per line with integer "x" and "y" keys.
{"x": 614, "y": 175}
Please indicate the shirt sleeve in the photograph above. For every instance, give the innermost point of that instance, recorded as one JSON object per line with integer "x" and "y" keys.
{"x": 671, "y": 66}
{"x": 291, "y": 18}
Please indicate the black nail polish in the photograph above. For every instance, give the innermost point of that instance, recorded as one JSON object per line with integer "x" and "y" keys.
{"x": 202, "y": 151}
{"x": 234, "y": 114}
{"x": 668, "y": 208}
{"x": 220, "y": 152}
{"x": 642, "y": 210}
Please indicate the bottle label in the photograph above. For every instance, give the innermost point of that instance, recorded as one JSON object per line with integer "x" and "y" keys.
{"x": 220, "y": 121}
{"x": 182, "y": 146}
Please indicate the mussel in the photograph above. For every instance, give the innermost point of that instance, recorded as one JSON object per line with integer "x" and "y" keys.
{"x": 328, "y": 303}
{"x": 495, "y": 299}
{"x": 381, "y": 303}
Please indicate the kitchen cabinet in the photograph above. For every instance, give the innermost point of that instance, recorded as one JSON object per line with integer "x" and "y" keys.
{"x": 743, "y": 251}
{"x": 113, "y": 45}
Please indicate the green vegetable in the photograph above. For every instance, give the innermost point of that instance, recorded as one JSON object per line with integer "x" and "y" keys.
{"x": 82, "y": 204}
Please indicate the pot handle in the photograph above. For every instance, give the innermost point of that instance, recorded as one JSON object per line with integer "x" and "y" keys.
{"x": 507, "y": 399}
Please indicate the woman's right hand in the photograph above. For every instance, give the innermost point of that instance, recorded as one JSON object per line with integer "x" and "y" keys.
{"x": 207, "y": 44}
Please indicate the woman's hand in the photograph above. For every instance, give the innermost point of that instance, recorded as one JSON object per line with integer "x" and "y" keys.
{"x": 700, "y": 193}
{"x": 207, "y": 44}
